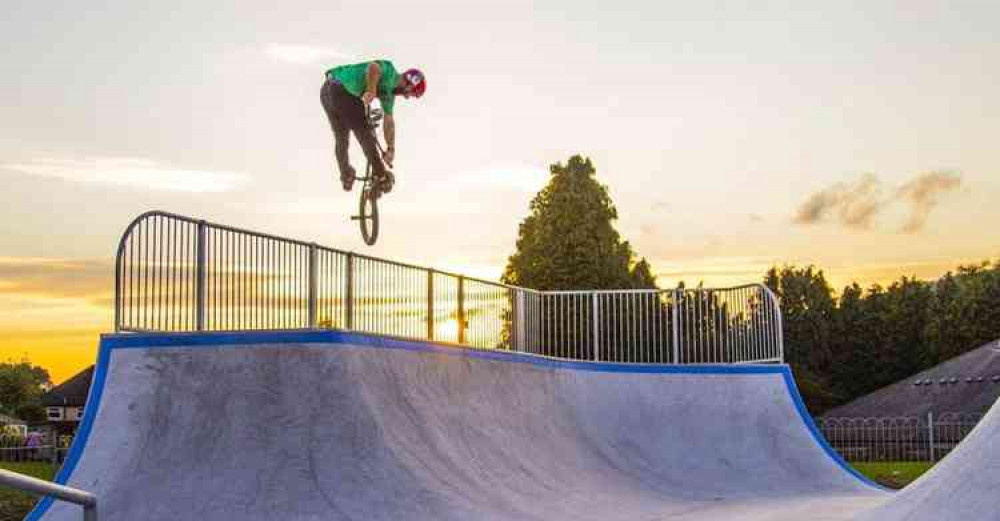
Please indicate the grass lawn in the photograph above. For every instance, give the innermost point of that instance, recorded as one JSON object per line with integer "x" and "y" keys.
{"x": 893, "y": 474}
{"x": 14, "y": 505}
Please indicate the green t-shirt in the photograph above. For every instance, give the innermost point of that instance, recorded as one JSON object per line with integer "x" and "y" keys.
{"x": 352, "y": 77}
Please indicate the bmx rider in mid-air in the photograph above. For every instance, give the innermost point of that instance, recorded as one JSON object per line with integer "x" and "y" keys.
{"x": 347, "y": 93}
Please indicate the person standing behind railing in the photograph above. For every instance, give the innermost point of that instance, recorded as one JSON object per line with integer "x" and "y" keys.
{"x": 33, "y": 442}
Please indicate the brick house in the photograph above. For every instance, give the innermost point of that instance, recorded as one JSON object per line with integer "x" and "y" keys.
{"x": 64, "y": 403}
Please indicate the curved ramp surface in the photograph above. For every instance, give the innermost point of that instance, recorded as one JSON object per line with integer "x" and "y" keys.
{"x": 964, "y": 485}
{"x": 337, "y": 426}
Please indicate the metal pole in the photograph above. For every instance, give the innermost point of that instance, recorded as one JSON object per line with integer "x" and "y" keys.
{"x": 930, "y": 435}
{"x": 430, "y": 304}
{"x": 45, "y": 488}
{"x": 520, "y": 327}
{"x": 597, "y": 326}
{"x": 461, "y": 310}
{"x": 201, "y": 286}
{"x": 313, "y": 289}
{"x": 349, "y": 293}
{"x": 676, "y": 326}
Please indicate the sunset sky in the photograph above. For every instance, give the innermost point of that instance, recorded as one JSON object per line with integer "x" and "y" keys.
{"x": 860, "y": 137}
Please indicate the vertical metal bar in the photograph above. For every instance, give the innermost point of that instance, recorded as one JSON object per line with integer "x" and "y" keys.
{"x": 349, "y": 292}
{"x": 676, "y": 326}
{"x": 200, "y": 285}
{"x": 132, "y": 278}
{"x": 596, "y": 311}
{"x": 313, "y": 289}
{"x": 461, "y": 310}
{"x": 430, "y": 304}
{"x": 118, "y": 282}
{"x": 172, "y": 323}
{"x": 930, "y": 436}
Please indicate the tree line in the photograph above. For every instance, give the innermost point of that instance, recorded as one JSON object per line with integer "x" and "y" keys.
{"x": 839, "y": 346}
{"x": 847, "y": 345}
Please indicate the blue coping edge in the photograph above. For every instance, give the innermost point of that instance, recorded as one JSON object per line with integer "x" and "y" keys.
{"x": 800, "y": 405}
{"x": 83, "y": 431}
{"x": 341, "y": 339}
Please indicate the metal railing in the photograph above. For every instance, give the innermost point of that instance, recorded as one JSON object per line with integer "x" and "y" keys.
{"x": 897, "y": 438}
{"x": 176, "y": 273}
{"x": 17, "y": 448}
{"x": 44, "y": 488}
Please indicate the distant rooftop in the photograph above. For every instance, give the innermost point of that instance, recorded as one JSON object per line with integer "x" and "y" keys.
{"x": 969, "y": 383}
{"x": 72, "y": 392}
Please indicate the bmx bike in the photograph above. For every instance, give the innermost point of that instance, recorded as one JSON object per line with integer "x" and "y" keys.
{"x": 372, "y": 188}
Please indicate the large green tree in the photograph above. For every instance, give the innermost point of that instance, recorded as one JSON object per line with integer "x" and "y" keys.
{"x": 844, "y": 348}
{"x": 21, "y": 388}
{"x": 807, "y": 308}
{"x": 568, "y": 241}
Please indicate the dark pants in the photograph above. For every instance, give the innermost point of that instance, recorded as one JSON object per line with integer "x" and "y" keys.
{"x": 346, "y": 113}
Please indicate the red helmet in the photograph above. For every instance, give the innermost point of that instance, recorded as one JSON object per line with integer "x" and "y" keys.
{"x": 416, "y": 80}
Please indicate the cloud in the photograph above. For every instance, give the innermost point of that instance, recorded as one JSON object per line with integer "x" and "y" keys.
{"x": 59, "y": 279}
{"x": 306, "y": 54}
{"x": 853, "y": 205}
{"x": 857, "y": 205}
{"x": 132, "y": 173}
{"x": 923, "y": 194}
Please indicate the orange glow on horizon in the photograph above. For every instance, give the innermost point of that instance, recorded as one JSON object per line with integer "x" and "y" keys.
{"x": 63, "y": 335}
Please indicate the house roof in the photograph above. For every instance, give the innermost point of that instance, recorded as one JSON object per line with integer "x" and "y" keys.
{"x": 10, "y": 420}
{"x": 72, "y": 392}
{"x": 969, "y": 383}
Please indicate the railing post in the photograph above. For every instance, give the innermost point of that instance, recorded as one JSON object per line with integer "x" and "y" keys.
{"x": 430, "y": 304}
{"x": 118, "y": 286}
{"x": 461, "y": 310}
{"x": 677, "y": 325}
{"x": 349, "y": 293}
{"x": 930, "y": 435}
{"x": 597, "y": 325}
{"x": 520, "y": 327}
{"x": 201, "y": 280}
{"x": 313, "y": 288}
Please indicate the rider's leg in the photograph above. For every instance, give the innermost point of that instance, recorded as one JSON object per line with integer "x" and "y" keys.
{"x": 352, "y": 113}
{"x": 341, "y": 134}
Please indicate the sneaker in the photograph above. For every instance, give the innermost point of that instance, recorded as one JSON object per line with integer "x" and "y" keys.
{"x": 347, "y": 179}
{"x": 386, "y": 182}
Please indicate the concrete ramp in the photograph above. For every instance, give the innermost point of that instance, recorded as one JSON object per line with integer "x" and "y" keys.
{"x": 336, "y": 426}
{"x": 965, "y": 485}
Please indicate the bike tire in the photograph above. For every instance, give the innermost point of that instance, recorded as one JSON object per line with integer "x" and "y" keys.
{"x": 368, "y": 213}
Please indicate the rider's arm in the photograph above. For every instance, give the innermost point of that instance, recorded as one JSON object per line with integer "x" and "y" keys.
{"x": 389, "y": 127}
{"x": 372, "y": 75}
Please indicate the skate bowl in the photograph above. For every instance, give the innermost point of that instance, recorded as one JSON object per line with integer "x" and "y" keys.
{"x": 306, "y": 425}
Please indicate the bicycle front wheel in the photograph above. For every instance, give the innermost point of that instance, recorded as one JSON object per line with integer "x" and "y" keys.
{"x": 368, "y": 215}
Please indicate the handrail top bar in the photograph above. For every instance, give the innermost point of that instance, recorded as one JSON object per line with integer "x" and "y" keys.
{"x": 648, "y": 290}
{"x": 263, "y": 235}
{"x": 45, "y": 488}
